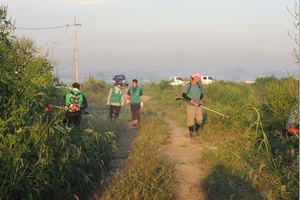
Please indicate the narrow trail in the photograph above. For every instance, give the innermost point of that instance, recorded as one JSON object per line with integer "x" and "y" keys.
{"x": 124, "y": 146}
{"x": 182, "y": 150}
{"x": 186, "y": 156}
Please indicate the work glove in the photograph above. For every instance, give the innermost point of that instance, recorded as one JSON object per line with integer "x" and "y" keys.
{"x": 142, "y": 104}
{"x": 127, "y": 101}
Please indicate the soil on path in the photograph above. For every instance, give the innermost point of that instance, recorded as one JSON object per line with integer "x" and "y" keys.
{"x": 184, "y": 152}
{"x": 186, "y": 156}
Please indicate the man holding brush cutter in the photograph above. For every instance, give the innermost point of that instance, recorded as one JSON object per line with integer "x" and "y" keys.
{"x": 193, "y": 94}
{"x": 75, "y": 103}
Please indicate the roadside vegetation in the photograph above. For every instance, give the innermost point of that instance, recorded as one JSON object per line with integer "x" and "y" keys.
{"x": 40, "y": 158}
{"x": 147, "y": 174}
{"x": 248, "y": 156}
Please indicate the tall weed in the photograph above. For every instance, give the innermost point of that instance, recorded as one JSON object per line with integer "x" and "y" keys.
{"x": 249, "y": 153}
{"x": 147, "y": 175}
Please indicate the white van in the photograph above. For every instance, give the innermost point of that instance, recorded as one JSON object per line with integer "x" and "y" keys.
{"x": 207, "y": 80}
{"x": 176, "y": 80}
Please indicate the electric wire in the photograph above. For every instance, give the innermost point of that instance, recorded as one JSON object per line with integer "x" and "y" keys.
{"x": 69, "y": 39}
{"x": 44, "y": 28}
{"x": 63, "y": 43}
{"x": 62, "y": 35}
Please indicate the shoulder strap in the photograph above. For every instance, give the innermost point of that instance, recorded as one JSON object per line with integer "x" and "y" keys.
{"x": 84, "y": 103}
{"x": 190, "y": 85}
{"x": 199, "y": 86}
{"x": 72, "y": 92}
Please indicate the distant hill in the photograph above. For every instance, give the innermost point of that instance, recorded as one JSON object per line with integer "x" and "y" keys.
{"x": 241, "y": 75}
{"x": 237, "y": 75}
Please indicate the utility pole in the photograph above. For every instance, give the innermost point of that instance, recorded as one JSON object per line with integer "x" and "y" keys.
{"x": 54, "y": 63}
{"x": 52, "y": 58}
{"x": 75, "y": 64}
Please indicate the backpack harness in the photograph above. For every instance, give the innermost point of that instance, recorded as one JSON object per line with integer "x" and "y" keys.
{"x": 200, "y": 87}
{"x": 190, "y": 85}
{"x": 73, "y": 102}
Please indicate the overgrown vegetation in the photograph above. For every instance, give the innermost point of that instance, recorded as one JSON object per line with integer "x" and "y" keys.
{"x": 249, "y": 155}
{"x": 40, "y": 158}
{"x": 147, "y": 174}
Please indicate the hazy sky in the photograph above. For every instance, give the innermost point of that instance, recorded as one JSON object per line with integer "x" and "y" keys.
{"x": 194, "y": 35}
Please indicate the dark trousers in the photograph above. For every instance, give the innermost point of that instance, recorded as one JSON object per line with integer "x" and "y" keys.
{"x": 73, "y": 117}
{"x": 135, "y": 111}
{"x": 114, "y": 111}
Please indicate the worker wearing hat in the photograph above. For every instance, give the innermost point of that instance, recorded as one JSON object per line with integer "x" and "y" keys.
{"x": 115, "y": 100}
{"x": 193, "y": 94}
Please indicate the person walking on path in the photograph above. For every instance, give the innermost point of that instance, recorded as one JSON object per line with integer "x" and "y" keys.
{"x": 193, "y": 93}
{"x": 135, "y": 97}
{"x": 75, "y": 103}
{"x": 115, "y": 101}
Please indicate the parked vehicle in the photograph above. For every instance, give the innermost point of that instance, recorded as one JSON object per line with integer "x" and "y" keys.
{"x": 176, "y": 80}
{"x": 207, "y": 80}
{"x": 62, "y": 85}
{"x": 121, "y": 79}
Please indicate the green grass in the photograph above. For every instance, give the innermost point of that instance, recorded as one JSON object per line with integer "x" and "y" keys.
{"x": 147, "y": 174}
{"x": 250, "y": 155}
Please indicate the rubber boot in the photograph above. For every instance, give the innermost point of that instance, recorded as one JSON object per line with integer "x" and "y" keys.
{"x": 191, "y": 130}
{"x": 197, "y": 127}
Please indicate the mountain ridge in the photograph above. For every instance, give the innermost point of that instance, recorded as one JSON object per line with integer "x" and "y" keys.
{"x": 236, "y": 75}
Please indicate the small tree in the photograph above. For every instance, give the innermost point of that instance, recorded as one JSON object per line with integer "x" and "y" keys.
{"x": 24, "y": 72}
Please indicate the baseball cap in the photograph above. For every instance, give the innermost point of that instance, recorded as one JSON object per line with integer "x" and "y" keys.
{"x": 195, "y": 74}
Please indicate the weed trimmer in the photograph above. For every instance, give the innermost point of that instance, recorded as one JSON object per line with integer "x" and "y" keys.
{"x": 51, "y": 107}
{"x": 223, "y": 116}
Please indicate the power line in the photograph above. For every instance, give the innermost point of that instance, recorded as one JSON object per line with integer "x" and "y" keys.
{"x": 62, "y": 35}
{"x": 44, "y": 28}
{"x": 69, "y": 39}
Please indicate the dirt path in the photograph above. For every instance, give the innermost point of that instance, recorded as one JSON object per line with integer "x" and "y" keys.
{"x": 180, "y": 148}
{"x": 186, "y": 155}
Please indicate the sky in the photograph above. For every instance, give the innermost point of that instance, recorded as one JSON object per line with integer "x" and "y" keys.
{"x": 192, "y": 35}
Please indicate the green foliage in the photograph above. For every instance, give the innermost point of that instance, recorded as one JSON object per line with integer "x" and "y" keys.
{"x": 279, "y": 97}
{"x": 51, "y": 161}
{"x": 249, "y": 153}
{"x": 222, "y": 183}
{"x": 147, "y": 174}
{"x": 164, "y": 85}
{"x": 94, "y": 86}
{"x": 165, "y": 100}
{"x": 40, "y": 157}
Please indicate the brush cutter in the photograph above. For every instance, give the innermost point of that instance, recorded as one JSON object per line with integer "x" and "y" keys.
{"x": 51, "y": 107}
{"x": 223, "y": 116}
